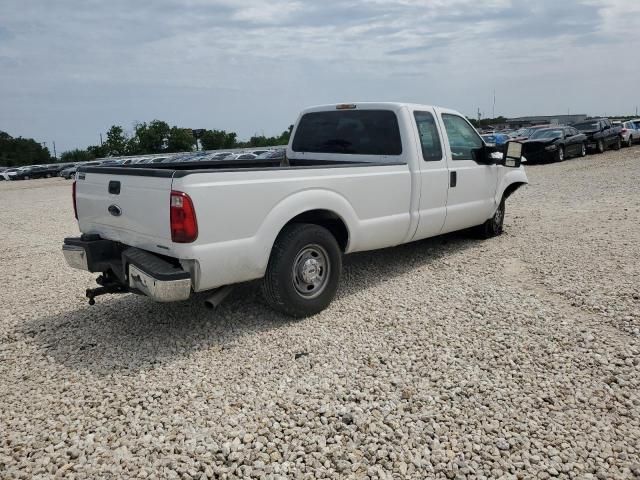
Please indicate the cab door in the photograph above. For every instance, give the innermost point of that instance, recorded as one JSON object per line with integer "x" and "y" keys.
{"x": 472, "y": 185}
{"x": 434, "y": 174}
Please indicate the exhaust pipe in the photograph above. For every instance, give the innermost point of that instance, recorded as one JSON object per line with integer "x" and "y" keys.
{"x": 218, "y": 297}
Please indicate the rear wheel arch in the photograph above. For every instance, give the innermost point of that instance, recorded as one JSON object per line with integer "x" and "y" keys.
{"x": 328, "y": 219}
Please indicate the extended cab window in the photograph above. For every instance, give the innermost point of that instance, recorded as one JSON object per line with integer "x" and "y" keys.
{"x": 463, "y": 139}
{"x": 429, "y": 139}
{"x": 356, "y": 132}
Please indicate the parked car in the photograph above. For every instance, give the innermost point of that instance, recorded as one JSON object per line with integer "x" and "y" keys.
{"x": 496, "y": 138}
{"x": 361, "y": 177}
{"x": 555, "y": 144}
{"x": 524, "y": 134}
{"x": 628, "y": 132}
{"x": 241, "y": 156}
{"x": 68, "y": 172}
{"x": 11, "y": 173}
{"x": 276, "y": 154}
{"x": 31, "y": 172}
{"x": 634, "y": 127}
{"x": 601, "y": 134}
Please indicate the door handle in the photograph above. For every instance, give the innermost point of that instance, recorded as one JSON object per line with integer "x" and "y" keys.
{"x": 453, "y": 179}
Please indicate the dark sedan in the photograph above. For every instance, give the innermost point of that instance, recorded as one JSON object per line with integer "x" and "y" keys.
{"x": 555, "y": 144}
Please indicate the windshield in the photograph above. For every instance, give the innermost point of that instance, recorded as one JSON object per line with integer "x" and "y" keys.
{"x": 547, "y": 134}
{"x": 356, "y": 132}
{"x": 585, "y": 127}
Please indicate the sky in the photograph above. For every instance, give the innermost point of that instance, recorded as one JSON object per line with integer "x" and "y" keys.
{"x": 70, "y": 69}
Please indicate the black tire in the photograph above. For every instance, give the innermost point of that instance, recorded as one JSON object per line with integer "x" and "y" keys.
{"x": 630, "y": 141}
{"x": 560, "y": 155}
{"x": 583, "y": 152}
{"x": 494, "y": 226}
{"x": 600, "y": 146}
{"x": 302, "y": 254}
{"x": 618, "y": 144}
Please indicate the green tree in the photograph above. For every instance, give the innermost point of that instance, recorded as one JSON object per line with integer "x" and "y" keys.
{"x": 152, "y": 137}
{"x": 180, "y": 140}
{"x": 97, "y": 151}
{"x": 217, "y": 139}
{"x": 76, "y": 155}
{"x": 116, "y": 144}
{"x": 22, "y": 151}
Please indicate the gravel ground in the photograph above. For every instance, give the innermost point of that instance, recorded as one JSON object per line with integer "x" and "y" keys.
{"x": 517, "y": 357}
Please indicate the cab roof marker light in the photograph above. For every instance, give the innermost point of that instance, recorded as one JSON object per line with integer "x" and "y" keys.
{"x": 346, "y": 106}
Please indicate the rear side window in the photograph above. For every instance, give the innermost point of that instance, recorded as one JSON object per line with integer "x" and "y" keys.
{"x": 356, "y": 132}
{"x": 429, "y": 138}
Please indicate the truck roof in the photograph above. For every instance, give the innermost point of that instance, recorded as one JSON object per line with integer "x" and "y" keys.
{"x": 368, "y": 106}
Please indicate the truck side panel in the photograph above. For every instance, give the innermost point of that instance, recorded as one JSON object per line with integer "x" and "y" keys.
{"x": 241, "y": 213}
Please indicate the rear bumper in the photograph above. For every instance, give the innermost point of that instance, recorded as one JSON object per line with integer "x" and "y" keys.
{"x": 139, "y": 271}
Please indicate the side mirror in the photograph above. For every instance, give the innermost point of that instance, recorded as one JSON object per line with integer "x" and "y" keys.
{"x": 484, "y": 154}
{"x": 513, "y": 155}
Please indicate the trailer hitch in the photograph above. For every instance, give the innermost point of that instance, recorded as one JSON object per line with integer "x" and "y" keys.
{"x": 107, "y": 286}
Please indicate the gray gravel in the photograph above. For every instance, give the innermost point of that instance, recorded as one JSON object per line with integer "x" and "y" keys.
{"x": 517, "y": 357}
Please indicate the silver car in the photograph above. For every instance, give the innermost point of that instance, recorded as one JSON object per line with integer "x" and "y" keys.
{"x": 633, "y": 127}
{"x": 626, "y": 134}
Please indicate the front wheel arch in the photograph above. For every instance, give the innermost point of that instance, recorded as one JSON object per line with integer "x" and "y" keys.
{"x": 511, "y": 188}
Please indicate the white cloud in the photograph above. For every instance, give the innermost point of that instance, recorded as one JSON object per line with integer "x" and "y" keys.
{"x": 71, "y": 69}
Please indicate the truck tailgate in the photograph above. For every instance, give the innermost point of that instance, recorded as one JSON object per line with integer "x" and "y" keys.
{"x": 132, "y": 209}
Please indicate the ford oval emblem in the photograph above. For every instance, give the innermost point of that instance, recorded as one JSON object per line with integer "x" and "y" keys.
{"x": 115, "y": 210}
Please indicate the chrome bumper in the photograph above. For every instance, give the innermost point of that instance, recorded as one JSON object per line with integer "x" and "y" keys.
{"x": 128, "y": 268}
{"x": 159, "y": 290}
{"x": 76, "y": 257}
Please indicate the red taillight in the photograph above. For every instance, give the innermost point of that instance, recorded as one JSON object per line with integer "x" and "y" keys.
{"x": 184, "y": 226}
{"x": 624, "y": 130}
{"x": 75, "y": 208}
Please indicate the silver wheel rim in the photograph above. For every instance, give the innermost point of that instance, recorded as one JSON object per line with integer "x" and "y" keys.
{"x": 584, "y": 150}
{"x": 561, "y": 154}
{"x": 311, "y": 269}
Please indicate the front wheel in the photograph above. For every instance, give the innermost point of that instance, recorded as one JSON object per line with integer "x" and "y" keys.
{"x": 494, "y": 226}
{"x": 303, "y": 271}
{"x": 600, "y": 146}
{"x": 560, "y": 154}
{"x": 583, "y": 151}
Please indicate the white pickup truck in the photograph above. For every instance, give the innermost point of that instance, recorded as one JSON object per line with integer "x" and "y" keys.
{"x": 356, "y": 177}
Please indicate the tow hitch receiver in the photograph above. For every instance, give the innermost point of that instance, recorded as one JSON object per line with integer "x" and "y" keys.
{"x": 107, "y": 286}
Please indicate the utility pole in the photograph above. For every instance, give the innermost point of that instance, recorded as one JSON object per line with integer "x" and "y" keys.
{"x": 101, "y": 139}
{"x": 55, "y": 155}
{"x": 493, "y": 110}
{"x": 479, "y": 117}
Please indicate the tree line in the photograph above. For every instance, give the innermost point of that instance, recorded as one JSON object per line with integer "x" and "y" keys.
{"x": 146, "y": 138}
{"x": 21, "y": 151}
{"x": 158, "y": 137}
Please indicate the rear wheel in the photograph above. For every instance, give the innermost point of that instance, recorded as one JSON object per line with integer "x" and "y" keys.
{"x": 303, "y": 271}
{"x": 630, "y": 141}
